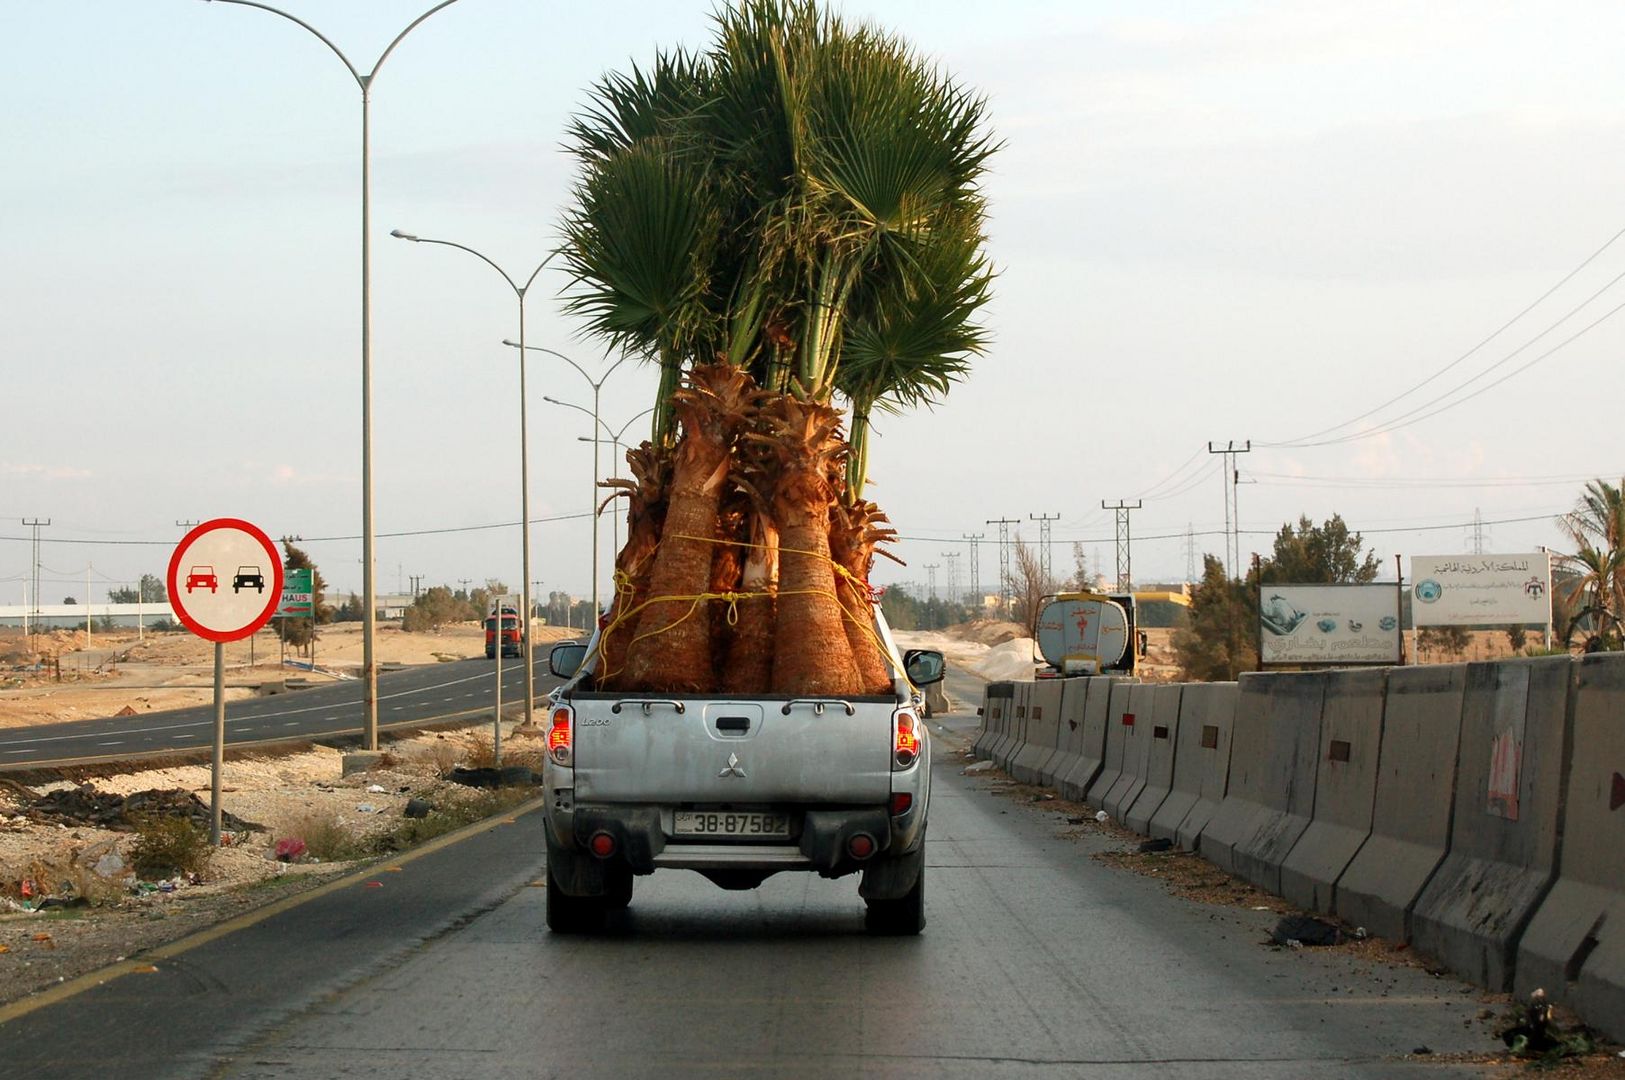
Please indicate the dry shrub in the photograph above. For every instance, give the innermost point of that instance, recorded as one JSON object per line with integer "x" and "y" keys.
{"x": 478, "y": 751}
{"x": 444, "y": 756}
{"x": 326, "y": 837}
{"x": 167, "y": 845}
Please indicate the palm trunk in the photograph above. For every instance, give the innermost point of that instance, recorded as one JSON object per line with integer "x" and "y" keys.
{"x": 750, "y": 647}
{"x": 852, "y": 545}
{"x": 811, "y": 654}
{"x": 671, "y": 652}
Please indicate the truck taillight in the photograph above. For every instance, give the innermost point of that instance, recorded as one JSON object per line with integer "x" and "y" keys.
{"x": 906, "y": 739}
{"x": 559, "y": 734}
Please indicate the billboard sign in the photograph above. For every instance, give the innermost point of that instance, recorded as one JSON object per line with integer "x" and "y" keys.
{"x": 1481, "y": 590}
{"x": 298, "y": 597}
{"x": 1329, "y": 624}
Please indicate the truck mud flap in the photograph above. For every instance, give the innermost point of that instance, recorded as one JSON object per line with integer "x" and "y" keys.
{"x": 637, "y": 832}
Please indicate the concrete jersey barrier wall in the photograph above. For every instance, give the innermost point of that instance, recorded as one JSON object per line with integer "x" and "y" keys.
{"x": 1345, "y": 788}
{"x": 1120, "y": 716}
{"x": 1069, "y": 732}
{"x": 1043, "y": 730}
{"x": 1158, "y": 780}
{"x": 1201, "y": 763}
{"x": 1575, "y": 945}
{"x": 1015, "y": 728}
{"x": 1503, "y": 836}
{"x": 995, "y": 711}
{"x": 1093, "y": 712}
{"x": 1410, "y": 824}
{"x": 1136, "y": 751}
{"x": 1272, "y": 776}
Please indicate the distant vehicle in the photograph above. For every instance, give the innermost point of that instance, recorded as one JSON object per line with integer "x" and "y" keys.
{"x": 248, "y": 577}
{"x": 513, "y": 640}
{"x": 202, "y": 577}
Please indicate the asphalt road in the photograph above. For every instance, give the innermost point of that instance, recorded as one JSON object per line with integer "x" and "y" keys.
{"x": 414, "y": 695}
{"x": 1037, "y": 961}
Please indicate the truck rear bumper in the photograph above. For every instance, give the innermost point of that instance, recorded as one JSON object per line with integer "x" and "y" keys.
{"x": 824, "y": 844}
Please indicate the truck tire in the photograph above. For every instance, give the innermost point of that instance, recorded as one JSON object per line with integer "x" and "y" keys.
{"x": 575, "y": 914}
{"x": 902, "y": 917}
{"x": 617, "y": 887}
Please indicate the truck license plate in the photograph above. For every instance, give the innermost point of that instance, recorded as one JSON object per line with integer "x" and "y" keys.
{"x": 728, "y": 823}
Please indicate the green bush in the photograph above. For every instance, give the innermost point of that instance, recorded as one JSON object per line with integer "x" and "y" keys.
{"x": 168, "y": 845}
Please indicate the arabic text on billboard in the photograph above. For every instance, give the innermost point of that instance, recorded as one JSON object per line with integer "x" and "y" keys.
{"x": 1481, "y": 590}
{"x": 297, "y": 596}
{"x": 1330, "y": 624}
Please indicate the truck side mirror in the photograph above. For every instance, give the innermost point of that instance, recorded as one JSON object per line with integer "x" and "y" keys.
{"x": 565, "y": 658}
{"x": 924, "y": 666}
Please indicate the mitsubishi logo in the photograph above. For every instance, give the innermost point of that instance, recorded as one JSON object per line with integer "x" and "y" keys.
{"x": 732, "y": 768}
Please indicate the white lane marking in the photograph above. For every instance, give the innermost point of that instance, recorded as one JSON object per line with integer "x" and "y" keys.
{"x": 115, "y": 742}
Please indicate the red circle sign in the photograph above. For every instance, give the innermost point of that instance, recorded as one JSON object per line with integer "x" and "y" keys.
{"x": 225, "y": 579}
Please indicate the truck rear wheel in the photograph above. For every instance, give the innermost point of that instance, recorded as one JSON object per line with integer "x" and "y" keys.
{"x": 902, "y": 917}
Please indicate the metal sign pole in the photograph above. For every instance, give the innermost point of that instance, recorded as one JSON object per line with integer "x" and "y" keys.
{"x": 219, "y": 741}
{"x": 496, "y": 719}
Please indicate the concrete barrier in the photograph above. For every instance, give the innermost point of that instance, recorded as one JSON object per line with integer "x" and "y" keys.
{"x": 1068, "y": 729}
{"x": 1512, "y": 767}
{"x": 1201, "y": 763}
{"x": 1120, "y": 722}
{"x": 995, "y": 712}
{"x": 1272, "y": 776}
{"x": 1136, "y": 753}
{"x": 1016, "y": 728}
{"x": 1043, "y": 731}
{"x": 1416, "y": 778}
{"x": 1091, "y": 708}
{"x": 1345, "y": 789}
{"x": 1158, "y": 779}
{"x": 1575, "y": 945}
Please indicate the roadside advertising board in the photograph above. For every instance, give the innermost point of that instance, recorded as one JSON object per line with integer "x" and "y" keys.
{"x": 298, "y": 596}
{"x": 1481, "y": 590}
{"x": 1329, "y": 624}
{"x": 225, "y": 579}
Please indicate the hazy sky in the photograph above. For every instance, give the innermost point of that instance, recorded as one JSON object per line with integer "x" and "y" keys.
{"x": 1212, "y": 221}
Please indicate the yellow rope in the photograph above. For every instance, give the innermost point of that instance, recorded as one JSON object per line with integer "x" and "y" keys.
{"x": 624, "y": 589}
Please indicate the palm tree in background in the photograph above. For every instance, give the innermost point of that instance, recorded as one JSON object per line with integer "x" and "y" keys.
{"x": 1594, "y": 581}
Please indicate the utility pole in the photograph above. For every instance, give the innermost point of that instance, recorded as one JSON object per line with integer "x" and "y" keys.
{"x": 1190, "y": 553}
{"x": 1477, "y": 535}
{"x": 465, "y": 582}
{"x": 417, "y": 584}
{"x": 931, "y": 578}
{"x": 1232, "y": 512}
{"x": 1125, "y": 560}
{"x": 1044, "y": 545}
{"x": 975, "y": 569}
{"x": 1006, "y": 583}
{"x": 36, "y": 524}
{"x": 952, "y": 559}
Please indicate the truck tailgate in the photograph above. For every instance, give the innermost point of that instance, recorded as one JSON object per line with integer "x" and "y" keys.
{"x": 733, "y": 752}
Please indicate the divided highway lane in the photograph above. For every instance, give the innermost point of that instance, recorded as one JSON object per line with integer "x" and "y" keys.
{"x": 413, "y": 695}
{"x": 1036, "y": 961}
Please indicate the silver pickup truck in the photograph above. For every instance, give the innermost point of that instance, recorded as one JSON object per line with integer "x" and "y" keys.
{"x": 738, "y": 789}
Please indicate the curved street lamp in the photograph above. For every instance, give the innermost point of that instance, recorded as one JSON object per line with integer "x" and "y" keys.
{"x": 614, "y": 440}
{"x": 369, "y": 601}
{"x": 524, "y": 451}
{"x": 596, "y": 387}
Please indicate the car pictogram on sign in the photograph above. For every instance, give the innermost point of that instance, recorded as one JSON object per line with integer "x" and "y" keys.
{"x": 248, "y": 577}
{"x": 202, "y": 577}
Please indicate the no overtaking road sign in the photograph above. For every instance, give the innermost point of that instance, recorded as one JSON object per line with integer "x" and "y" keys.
{"x": 225, "y": 579}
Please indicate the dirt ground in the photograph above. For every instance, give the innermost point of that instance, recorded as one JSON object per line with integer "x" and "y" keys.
{"x": 101, "y": 909}
{"x": 174, "y": 670}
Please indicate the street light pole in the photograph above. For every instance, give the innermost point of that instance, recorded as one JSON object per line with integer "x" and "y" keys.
{"x": 615, "y": 441}
{"x": 369, "y": 614}
{"x": 524, "y": 452}
{"x": 596, "y": 387}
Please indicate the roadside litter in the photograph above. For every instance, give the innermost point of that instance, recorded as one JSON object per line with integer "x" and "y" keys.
{"x": 1300, "y": 931}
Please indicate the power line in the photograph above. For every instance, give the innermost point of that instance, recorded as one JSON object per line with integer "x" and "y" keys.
{"x": 328, "y": 539}
{"x": 1587, "y": 261}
